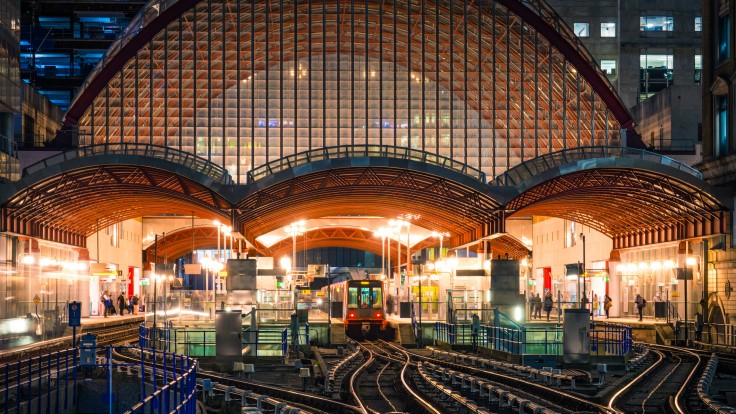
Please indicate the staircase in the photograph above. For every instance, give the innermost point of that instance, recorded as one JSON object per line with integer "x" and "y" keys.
{"x": 269, "y": 339}
{"x": 665, "y": 334}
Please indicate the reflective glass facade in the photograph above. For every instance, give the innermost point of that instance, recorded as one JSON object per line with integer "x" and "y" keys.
{"x": 244, "y": 83}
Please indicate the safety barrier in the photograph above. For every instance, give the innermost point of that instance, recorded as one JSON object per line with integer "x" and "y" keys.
{"x": 605, "y": 338}
{"x": 52, "y": 378}
{"x": 49, "y": 383}
{"x": 201, "y": 342}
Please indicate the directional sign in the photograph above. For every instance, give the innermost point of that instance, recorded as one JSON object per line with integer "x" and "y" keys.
{"x": 36, "y": 299}
{"x": 75, "y": 314}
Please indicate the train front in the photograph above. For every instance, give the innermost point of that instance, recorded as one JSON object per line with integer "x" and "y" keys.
{"x": 365, "y": 308}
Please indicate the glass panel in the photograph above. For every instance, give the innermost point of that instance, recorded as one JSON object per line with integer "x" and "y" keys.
{"x": 656, "y": 23}
{"x": 364, "y": 300}
{"x": 608, "y": 29}
{"x": 352, "y": 297}
{"x": 581, "y": 29}
{"x": 377, "y": 298}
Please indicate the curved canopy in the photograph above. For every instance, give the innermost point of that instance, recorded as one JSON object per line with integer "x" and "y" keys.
{"x": 242, "y": 83}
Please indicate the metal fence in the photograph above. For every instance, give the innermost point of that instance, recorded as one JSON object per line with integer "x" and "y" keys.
{"x": 202, "y": 342}
{"x": 605, "y": 338}
{"x": 49, "y": 383}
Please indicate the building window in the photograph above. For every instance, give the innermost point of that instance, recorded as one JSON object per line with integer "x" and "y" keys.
{"x": 609, "y": 66}
{"x": 698, "y": 68}
{"x": 656, "y": 23}
{"x": 656, "y": 73}
{"x": 581, "y": 29}
{"x": 724, "y": 39}
{"x": 722, "y": 125}
{"x": 608, "y": 29}
{"x": 698, "y": 24}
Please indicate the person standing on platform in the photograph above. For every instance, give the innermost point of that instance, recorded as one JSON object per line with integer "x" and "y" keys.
{"x": 640, "y": 304}
{"x": 106, "y": 302}
{"x": 532, "y": 302}
{"x": 595, "y": 305}
{"x": 607, "y": 303}
{"x": 134, "y": 304}
{"x": 548, "y": 300}
{"x": 537, "y": 307}
{"x": 121, "y": 304}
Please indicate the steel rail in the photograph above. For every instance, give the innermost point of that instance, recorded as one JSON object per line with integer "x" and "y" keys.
{"x": 311, "y": 401}
{"x": 353, "y": 391}
{"x": 543, "y": 392}
{"x": 424, "y": 403}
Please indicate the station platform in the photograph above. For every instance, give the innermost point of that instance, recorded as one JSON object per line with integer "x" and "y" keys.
{"x": 93, "y": 324}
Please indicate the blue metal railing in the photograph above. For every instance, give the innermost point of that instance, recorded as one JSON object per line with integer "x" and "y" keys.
{"x": 189, "y": 160}
{"x": 611, "y": 339}
{"x": 605, "y": 338}
{"x": 528, "y": 169}
{"x": 354, "y": 151}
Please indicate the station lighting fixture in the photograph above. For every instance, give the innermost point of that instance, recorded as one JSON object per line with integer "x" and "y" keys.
{"x": 295, "y": 229}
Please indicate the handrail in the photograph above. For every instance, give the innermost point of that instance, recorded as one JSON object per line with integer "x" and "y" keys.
{"x": 528, "y": 169}
{"x": 352, "y": 151}
{"x": 196, "y": 163}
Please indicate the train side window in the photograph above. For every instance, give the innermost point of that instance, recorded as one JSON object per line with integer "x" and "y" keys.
{"x": 352, "y": 297}
{"x": 377, "y": 298}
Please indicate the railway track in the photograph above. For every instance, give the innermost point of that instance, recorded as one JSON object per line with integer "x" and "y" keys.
{"x": 666, "y": 386}
{"x": 309, "y": 402}
{"x": 379, "y": 385}
{"x": 542, "y": 393}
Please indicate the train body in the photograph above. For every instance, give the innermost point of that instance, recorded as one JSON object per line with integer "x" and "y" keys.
{"x": 362, "y": 302}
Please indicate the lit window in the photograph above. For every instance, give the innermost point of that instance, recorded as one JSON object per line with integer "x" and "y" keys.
{"x": 581, "y": 29}
{"x": 608, "y": 29}
{"x": 656, "y": 23}
{"x": 698, "y": 24}
{"x": 698, "y": 68}
{"x": 609, "y": 66}
{"x": 724, "y": 39}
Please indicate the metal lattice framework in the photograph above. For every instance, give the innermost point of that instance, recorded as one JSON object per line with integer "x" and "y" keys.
{"x": 634, "y": 207}
{"x": 487, "y": 83}
{"x": 355, "y": 238}
{"x": 381, "y": 191}
{"x": 180, "y": 242}
{"x": 73, "y": 205}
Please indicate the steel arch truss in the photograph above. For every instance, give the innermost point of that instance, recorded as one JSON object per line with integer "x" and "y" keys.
{"x": 350, "y": 237}
{"x": 68, "y": 207}
{"x": 376, "y": 191}
{"x": 180, "y": 242}
{"x": 633, "y": 207}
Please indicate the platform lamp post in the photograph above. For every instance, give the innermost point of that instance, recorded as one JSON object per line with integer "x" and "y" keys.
{"x": 582, "y": 273}
{"x": 295, "y": 229}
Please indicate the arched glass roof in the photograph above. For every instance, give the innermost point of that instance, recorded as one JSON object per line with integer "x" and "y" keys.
{"x": 490, "y": 84}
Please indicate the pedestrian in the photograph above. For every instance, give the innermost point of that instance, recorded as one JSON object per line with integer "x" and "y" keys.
{"x": 640, "y": 304}
{"x": 106, "y": 302}
{"x": 532, "y": 302}
{"x": 121, "y": 304}
{"x": 607, "y": 303}
{"x": 698, "y": 326}
{"x": 548, "y": 300}
{"x": 134, "y": 304}
{"x": 595, "y": 305}
{"x": 537, "y": 307}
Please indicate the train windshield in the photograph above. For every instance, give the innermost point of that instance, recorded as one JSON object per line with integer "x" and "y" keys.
{"x": 365, "y": 297}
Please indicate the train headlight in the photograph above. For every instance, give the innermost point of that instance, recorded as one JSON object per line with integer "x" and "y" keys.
{"x": 378, "y": 314}
{"x": 351, "y": 315}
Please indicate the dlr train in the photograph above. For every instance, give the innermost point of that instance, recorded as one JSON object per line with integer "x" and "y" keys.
{"x": 363, "y": 306}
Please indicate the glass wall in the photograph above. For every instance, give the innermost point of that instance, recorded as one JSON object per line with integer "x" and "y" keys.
{"x": 242, "y": 84}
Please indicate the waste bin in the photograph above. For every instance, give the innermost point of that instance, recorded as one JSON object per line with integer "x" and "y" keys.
{"x": 660, "y": 310}
{"x": 405, "y": 310}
